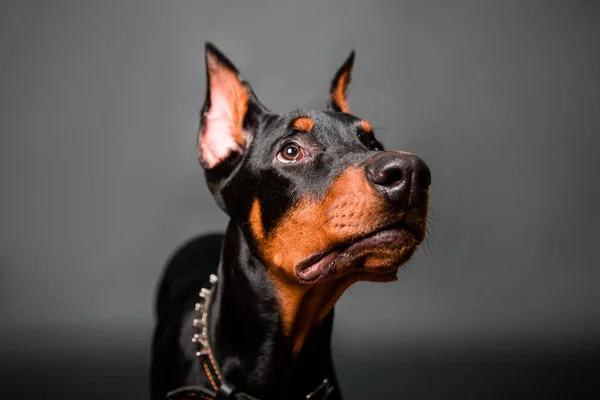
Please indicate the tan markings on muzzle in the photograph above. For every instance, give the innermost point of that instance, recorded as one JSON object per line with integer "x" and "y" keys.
{"x": 315, "y": 225}
{"x": 351, "y": 207}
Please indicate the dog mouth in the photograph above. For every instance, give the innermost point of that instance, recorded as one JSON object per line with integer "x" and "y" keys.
{"x": 396, "y": 239}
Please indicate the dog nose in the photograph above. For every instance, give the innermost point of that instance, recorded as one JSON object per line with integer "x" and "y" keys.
{"x": 403, "y": 178}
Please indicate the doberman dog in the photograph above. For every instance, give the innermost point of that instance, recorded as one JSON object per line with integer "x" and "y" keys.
{"x": 315, "y": 205}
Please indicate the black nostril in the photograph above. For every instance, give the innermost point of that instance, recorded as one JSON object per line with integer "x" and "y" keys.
{"x": 391, "y": 176}
{"x": 423, "y": 175}
{"x": 386, "y": 173}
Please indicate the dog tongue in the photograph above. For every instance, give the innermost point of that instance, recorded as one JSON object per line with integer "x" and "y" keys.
{"x": 312, "y": 271}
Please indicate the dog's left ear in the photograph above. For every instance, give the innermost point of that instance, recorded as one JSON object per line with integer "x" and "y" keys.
{"x": 228, "y": 119}
{"x": 339, "y": 86}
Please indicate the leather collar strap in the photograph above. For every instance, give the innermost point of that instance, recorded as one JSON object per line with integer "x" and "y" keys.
{"x": 227, "y": 392}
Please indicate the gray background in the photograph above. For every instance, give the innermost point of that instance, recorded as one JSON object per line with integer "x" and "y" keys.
{"x": 100, "y": 183}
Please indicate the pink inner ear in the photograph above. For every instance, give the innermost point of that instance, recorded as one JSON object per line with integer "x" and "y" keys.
{"x": 223, "y": 130}
{"x": 217, "y": 141}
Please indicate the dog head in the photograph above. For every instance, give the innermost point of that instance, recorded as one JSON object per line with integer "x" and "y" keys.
{"x": 314, "y": 192}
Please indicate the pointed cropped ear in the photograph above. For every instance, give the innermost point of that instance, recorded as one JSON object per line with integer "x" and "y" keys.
{"x": 228, "y": 117}
{"x": 339, "y": 87}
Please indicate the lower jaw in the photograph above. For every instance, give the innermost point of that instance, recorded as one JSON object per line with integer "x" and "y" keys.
{"x": 381, "y": 254}
{"x": 361, "y": 267}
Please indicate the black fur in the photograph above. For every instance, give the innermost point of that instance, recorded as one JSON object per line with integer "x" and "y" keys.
{"x": 245, "y": 329}
{"x": 244, "y": 317}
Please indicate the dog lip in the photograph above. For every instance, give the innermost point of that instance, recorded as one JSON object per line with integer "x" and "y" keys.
{"x": 320, "y": 263}
{"x": 317, "y": 264}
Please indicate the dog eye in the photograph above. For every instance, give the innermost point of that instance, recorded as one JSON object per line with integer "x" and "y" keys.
{"x": 290, "y": 152}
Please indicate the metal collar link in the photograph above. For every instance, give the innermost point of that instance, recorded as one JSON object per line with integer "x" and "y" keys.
{"x": 222, "y": 391}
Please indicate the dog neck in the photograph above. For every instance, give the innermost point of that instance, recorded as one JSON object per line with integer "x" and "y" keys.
{"x": 248, "y": 337}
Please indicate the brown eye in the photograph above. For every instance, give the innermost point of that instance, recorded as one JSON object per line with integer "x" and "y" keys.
{"x": 290, "y": 152}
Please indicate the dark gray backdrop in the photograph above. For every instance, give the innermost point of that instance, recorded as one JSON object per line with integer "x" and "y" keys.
{"x": 100, "y": 183}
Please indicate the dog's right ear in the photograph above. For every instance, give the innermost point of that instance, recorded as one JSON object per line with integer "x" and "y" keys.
{"x": 339, "y": 87}
{"x": 228, "y": 119}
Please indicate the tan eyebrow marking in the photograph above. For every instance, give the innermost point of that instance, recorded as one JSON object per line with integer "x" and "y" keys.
{"x": 303, "y": 124}
{"x": 366, "y": 126}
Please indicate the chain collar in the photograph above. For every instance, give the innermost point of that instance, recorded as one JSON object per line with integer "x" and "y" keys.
{"x": 222, "y": 391}
{"x": 202, "y": 323}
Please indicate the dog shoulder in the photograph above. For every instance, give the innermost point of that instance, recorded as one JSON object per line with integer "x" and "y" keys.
{"x": 186, "y": 270}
